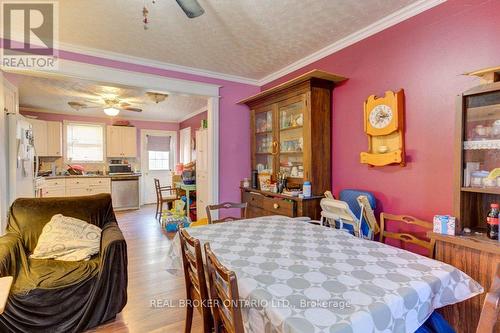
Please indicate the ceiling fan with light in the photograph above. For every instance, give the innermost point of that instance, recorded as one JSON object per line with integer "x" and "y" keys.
{"x": 110, "y": 106}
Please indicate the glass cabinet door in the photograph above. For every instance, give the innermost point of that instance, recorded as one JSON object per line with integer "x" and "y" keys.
{"x": 481, "y": 155}
{"x": 291, "y": 137}
{"x": 265, "y": 145}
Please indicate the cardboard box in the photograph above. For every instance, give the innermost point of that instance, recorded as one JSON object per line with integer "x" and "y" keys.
{"x": 444, "y": 224}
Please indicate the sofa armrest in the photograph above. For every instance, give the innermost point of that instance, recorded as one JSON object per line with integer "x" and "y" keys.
{"x": 113, "y": 278}
{"x": 10, "y": 246}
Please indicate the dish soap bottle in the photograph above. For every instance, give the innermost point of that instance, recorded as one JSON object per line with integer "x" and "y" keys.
{"x": 307, "y": 189}
{"x": 492, "y": 221}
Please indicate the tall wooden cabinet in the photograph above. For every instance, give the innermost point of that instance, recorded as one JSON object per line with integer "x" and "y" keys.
{"x": 477, "y": 153}
{"x": 291, "y": 136}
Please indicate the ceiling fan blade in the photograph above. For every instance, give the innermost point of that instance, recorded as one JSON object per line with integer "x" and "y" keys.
{"x": 129, "y": 108}
{"x": 124, "y": 104}
{"x": 191, "y": 8}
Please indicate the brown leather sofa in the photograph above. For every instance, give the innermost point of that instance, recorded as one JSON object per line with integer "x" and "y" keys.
{"x": 58, "y": 296}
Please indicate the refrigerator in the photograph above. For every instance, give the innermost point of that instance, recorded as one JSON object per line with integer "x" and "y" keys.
{"x": 22, "y": 158}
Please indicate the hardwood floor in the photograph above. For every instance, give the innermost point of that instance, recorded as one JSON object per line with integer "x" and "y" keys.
{"x": 147, "y": 247}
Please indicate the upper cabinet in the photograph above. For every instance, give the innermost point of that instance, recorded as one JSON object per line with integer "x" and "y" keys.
{"x": 121, "y": 141}
{"x": 48, "y": 137}
{"x": 291, "y": 130}
{"x": 54, "y": 138}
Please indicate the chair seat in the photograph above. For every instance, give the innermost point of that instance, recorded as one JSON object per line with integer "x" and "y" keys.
{"x": 54, "y": 274}
{"x": 169, "y": 198}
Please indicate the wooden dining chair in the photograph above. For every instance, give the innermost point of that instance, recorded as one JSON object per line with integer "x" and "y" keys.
{"x": 407, "y": 237}
{"x": 196, "y": 283}
{"x": 224, "y": 296}
{"x": 227, "y": 205}
{"x": 164, "y": 194}
{"x": 491, "y": 307}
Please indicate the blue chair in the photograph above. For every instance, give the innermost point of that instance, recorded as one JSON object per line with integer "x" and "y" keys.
{"x": 350, "y": 196}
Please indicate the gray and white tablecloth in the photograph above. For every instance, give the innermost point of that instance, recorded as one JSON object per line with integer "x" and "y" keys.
{"x": 298, "y": 277}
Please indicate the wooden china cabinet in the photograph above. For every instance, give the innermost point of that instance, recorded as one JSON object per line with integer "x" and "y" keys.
{"x": 477, "y": 153}
{"x": 291, "y": 138}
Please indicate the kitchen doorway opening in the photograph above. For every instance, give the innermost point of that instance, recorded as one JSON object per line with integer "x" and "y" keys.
{"x": 158, "y": 159}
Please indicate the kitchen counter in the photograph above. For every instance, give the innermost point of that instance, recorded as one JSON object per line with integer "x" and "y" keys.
{"x": 132, "y": 175}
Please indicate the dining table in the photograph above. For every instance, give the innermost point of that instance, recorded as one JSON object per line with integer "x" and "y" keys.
{"x": 297, "y": 277}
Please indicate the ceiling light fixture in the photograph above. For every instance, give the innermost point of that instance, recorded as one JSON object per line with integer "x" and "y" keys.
{"x": 156, "y": 97}
{"x": 111, "y": 111}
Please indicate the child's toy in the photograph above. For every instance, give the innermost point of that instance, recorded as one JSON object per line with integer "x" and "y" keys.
{"x": 173, "y": 218}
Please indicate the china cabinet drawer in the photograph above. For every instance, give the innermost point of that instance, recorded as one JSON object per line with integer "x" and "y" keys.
{"x": 253, "y": 199}
{"x": 279, "y": 206}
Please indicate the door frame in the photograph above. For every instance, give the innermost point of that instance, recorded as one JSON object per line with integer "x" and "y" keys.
{"x": 181, "y": 153}
{"x": 81, "y": 70}
{"x": 144, "y": 157}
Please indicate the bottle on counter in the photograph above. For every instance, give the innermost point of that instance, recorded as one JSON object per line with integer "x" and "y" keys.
{"x": 492, "y": 221}
{"x": 307, "y": 189}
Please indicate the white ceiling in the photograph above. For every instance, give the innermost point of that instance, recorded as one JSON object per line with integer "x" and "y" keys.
{"x": 53, "y": 94}
{"x": 247, "y": 38}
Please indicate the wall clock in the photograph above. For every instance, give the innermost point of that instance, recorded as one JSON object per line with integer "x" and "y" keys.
{"x": 384, "y": 125}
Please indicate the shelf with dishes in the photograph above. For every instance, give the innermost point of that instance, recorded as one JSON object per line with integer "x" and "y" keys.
{"x": 482, "y": 144}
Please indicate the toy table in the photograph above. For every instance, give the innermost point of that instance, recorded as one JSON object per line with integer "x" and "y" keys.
{"x": 186, "y": 188}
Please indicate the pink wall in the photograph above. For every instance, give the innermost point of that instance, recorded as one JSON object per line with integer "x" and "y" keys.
{"x": 139, "y": 124}
{"x": 425, "y": 55}
{"x": 194, "y": 122}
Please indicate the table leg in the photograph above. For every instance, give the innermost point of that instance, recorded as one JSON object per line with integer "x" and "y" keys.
{"x": 187, "y": 202}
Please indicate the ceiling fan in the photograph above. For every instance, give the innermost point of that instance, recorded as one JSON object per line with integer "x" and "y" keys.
{"x": 191, "y": 8}
{"x": 111, "y": 106}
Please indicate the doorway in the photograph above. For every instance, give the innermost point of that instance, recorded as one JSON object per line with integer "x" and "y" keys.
{"x": 158, "y": 158}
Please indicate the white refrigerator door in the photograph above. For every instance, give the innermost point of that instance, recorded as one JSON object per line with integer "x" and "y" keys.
{"x": 21, "y": 158}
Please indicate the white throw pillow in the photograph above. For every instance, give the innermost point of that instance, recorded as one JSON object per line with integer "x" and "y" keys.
{"x": 68, "y": 239}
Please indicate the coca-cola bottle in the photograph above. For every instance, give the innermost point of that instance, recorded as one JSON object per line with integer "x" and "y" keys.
{"x": 492, "y": 221}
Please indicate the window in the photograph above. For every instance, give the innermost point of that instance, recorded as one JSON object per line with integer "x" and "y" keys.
{"x": 159, "y": 160}
{"x": 84, "y": 142}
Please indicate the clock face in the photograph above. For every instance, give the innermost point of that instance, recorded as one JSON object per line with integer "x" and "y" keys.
{"x": 380, "y": 116}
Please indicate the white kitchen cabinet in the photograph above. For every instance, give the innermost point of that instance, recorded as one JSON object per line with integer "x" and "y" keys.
{"x": 53, "y": 188}
{"x": 39, "y": 128}
{"x": 121, "y": 141}
{"x": 48, "y": 137}
{"x": 72, "y": 187}
{"x": 54, "y": 138}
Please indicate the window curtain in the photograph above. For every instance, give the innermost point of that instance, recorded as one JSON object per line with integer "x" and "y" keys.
{"x": 158, "y": 143}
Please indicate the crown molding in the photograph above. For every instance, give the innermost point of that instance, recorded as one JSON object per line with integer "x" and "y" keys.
{"x": 194, "y": 113}
{"x": 103, "y": 117}
{"x": 382, "y": 24}
{"x": 154, "y": 63}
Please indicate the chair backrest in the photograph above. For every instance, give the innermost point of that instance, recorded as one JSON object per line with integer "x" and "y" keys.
{"x": 28, "y": 216}
{"x": 194, "y": 270}
{"x": 406, "y": 237}
{"x": 227, "y": 205}
{"x": 351, "y": 197}
{"x": 337, "y": 210}
{"x": 368, "y": 216}
{"x": 491, "y": 306}
{"x": 223, "y": 294}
